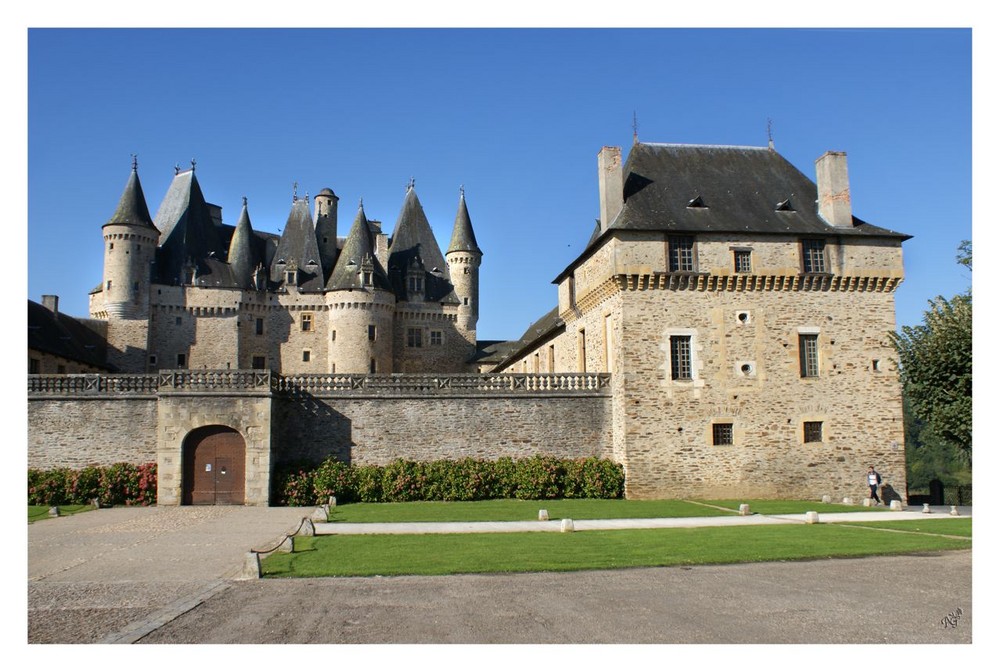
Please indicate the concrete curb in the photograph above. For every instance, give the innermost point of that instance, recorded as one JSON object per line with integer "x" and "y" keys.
{"x": 158, "y": 619}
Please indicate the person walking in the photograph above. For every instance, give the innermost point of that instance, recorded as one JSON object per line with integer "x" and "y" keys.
{"x": 874, "y": 480}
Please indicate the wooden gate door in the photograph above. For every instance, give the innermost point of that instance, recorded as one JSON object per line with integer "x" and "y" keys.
{"x": 214, "y": 459}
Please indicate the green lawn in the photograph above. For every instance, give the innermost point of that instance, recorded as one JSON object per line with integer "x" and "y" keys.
{"x": 435, "y": 554}
{"x": 36, "y": 512}
{"x": 515, "y": 509}
{"x": 959, "y": 527}
{"x": 775, "y": 507}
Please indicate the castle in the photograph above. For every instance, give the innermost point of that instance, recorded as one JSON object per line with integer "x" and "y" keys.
{"x": 725, "y": 333}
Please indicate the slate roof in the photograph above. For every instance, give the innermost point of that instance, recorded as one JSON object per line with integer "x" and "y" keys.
{"x": 243, "y": 255}
{"x": 359, "y": 248}
{"x": 541, "y": 329}
{"x": 463, "y": 238}
{"x": 132, "y": 208}
{"x": 413, "y": 240}
{"x": 187, "y": 232}
{"x": 720, "y": 189}
{"x": 64, "y": 336}
{"x": 298, "y": 245}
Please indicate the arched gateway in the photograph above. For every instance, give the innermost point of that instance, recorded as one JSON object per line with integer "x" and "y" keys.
{"x": 214, "y": 466}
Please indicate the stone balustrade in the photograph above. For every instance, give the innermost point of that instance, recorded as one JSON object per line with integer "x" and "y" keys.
{"x": 91, "y": 384}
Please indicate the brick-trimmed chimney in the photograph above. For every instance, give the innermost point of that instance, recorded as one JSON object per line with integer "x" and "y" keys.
{"x": 51, "y": 301}
{"x": 833, "y": 190}
{"x": 611, "y": 184}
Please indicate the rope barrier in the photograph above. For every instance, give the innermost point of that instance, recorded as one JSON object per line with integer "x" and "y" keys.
{"x": 283, "y": 540}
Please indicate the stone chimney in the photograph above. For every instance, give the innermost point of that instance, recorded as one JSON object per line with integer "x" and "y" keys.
{"x": 51, "y": 301}
{"x": 832, "y": 190}
{"x": 610, "y": 181}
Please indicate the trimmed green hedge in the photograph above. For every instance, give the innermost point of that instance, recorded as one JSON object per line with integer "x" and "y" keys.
{"x": 117, "y": 484}
{"x": 539, "y": 477}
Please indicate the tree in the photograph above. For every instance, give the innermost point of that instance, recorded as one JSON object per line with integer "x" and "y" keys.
{"x": 935, "y": 360}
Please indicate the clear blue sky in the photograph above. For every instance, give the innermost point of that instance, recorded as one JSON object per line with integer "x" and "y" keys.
{"x": 516, "y": 116}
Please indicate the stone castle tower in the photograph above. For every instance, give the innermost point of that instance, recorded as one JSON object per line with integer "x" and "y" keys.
{"x": 185, "y": 290}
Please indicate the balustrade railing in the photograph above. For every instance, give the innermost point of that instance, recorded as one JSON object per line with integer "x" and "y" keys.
{"x": 261, "y": 380}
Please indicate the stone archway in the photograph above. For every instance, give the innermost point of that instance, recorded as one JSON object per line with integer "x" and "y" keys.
{"x": 214, "y": 472}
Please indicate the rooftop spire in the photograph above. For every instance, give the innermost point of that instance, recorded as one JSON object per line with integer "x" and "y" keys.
{"x": 242, "y": 259}
{"x": 132, "y": 208}
{"x": 463, "y": 238}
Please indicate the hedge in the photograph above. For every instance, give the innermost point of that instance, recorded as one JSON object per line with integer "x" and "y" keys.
{"x": 539, "y": 477}
{"x": 117, "y": 484}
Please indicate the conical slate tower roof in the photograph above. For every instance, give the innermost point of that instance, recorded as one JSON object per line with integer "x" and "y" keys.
{"x": 412, "y": 239}
{"x": 463, "y": 238}
{"x": 298, "y": 246}
{"x": 357, "y": 253}
{"x": 242, "y": 251}
{"x": 187, "y": 231}
{"x": 132, "y": 207}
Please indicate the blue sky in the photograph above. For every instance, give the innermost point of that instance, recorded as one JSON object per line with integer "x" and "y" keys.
{"x": 516, "y": 116}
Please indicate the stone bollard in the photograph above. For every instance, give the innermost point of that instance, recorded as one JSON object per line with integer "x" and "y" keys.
{"x": 251, "y": 567}
{"x": 744, "y": 509}
{"x": 896, "y": 505}
{"x": 543, "y": 514}
{"x": 927, "y": 508}
{"x": 827, "y": 499}
{"x": 954, "y": 511}
{"x": 286, "y": 546}
{"x": 53, "y": 511}
{"x": 318, "y": 516}
{"x": 867, "y": 501}
{"x": 812, "y": 517}
{"x": 848, "y": 500}
{"x": 333, "y": 502}
{"x": 96, "y": 503}
{"x": 307, "y": 529}
{"x": 567, "y": 525}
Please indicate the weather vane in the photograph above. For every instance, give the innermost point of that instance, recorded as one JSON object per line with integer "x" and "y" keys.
{"x": 770, "y": 136}
{"x": 135, "y": 162}
{"x": 635, "y": 128}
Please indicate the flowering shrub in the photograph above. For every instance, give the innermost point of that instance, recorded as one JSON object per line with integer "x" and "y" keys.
{"x": 117, "y": 484}
{"x": 467, "y": 479}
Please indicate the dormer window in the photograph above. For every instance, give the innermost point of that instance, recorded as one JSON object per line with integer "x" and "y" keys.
{"x": 415, "y": 284}
{"x": 366, "y": 278}
{"x": 291, "y": 277}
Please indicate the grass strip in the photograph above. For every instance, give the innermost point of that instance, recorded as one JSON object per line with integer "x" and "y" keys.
{"x": 439, "y": 554}
{"x": 957, "y": 527}
{"x": 777, "y": 507}
{"x": 41, "y": 512}
{"x": 503, "y": 510}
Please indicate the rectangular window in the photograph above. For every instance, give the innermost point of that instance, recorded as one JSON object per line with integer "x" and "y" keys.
{"x": 306, "y": 355}
{"x": 680, "y": 358}
{"x": 681, "y": 253}
{"x": 812, "y": 432}
{"x": 372, "y": 368}
{"x": 552, "y": 359}
{"x": 437, "y": 337}
{"x": 152, "y": 360}
{"x": 415, "y": 284}
{"x": 177, "y": 321}
{"x": 258, "y": 362}
{"x": 182, "y": 361}
{"x": 741, "y": 261}
{"x": 333, "y": 335}
{"x": 414, "y": 337}
{"x": 34, "y": 365}
{"x": 722, "y": 434}
{"x": 371, "y": 332}
{"x": 808, "y": 355}
{"x": 813, "y": 256}
{"x": 306, "y": 321}
{"x": 581, "y": 351}
{"x": 259, "y": 326}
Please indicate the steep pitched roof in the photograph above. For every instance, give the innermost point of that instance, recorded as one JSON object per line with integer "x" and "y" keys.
{"x": 64, "y": 336}
{"x": 413, "y": 241}
{"x": 298, "y": 246}
{"x": 187, "y": 231}
{"x": 540, "y": 330}
{"x": 132, "y": 207}
{"x": 358, "y": 251}
{"x": 463, "y": 238}
{"x": 243, "y": 257}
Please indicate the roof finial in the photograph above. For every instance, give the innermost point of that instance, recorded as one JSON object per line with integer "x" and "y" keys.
{"x": 135, "y": 162}
{"x": 635, "y": 128}
{"x": 461, "y": 190}
{"x": 244, "y": 201}
{"x": 177, "y": 169}
{"x": 295, "y": 191}
{"x": 361, "y": 204}
{"x": 770, "y": 137}
{"x": 193, "y": 164}
{"x": 412, "y": 183}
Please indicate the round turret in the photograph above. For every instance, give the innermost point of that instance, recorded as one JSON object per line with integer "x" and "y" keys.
{"x": 130, "y": 240}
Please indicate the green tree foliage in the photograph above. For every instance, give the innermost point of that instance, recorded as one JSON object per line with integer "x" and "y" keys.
{"x": 935, "y": 360}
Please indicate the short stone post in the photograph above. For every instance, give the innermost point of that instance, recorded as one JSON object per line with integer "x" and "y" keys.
{"x": 332, "y": 502}
{"x": 53, "y": 511}
{"x": 251, "y": 567}
{"x": 744, "y": 509}
{"x": 927, "y": 508}
{"x": 848, "y": 500}
{"x": 96, "y": 503}
{"x": 307, "y": 529}
{"x": 867, "y": 501}
{"x": 318, "y": 516}
{"x": 286, "y": 546}
{"x": 954, "y": 510}
{"x": 896, "y": 505}
{"x": 827, "y": 499}
{"x": 543, "y": 514}
{"x": 567, "y": 525}
{"x": 812, "y": 517}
